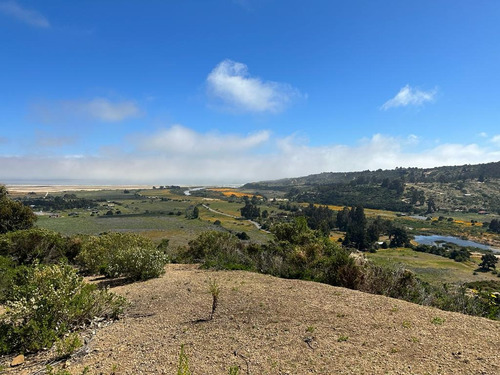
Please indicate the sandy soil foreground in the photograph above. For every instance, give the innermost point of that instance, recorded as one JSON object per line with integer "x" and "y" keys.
{"x": 267, "y": 325}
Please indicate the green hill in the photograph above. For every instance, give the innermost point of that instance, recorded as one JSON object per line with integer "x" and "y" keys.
{"x": 469, "y": 188}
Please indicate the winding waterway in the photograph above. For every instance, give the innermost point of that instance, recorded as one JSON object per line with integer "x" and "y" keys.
{"x": 432, "y": 239}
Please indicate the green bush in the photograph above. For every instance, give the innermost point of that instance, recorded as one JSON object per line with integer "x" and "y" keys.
{"x": 10, "y": 275}
{"x": 38, "y": 245}
{"x": 219, "y": 250}
{"x": 395, "y": 282}
{"x": 340, "y": 269}
{"x": 122, "y": 254}
{"x": 49, "y": 302}
{"x": 137, "y": 263}
{"x": 14, "y": 215}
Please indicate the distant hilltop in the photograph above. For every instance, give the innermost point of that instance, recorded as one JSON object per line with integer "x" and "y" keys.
{"x": 446, "y": 174}
{"x": 465, "y": 188}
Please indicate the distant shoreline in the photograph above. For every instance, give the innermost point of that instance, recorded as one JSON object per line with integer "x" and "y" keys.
{"x": 57, "y": 188}
{"x": 27, "y": 188}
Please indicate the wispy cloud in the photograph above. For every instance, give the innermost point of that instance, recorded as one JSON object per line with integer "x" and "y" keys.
{"x": 231, "y": 83}
{"x": 180, "y": 155}
{"x": 99, "y": 109}
{"x": 409, "y": 96}
{"x": 46, "y": 140}
{"x": 105, "y": 110}
{"x": 28, "y": 16}
{"x": 496, "y": 139}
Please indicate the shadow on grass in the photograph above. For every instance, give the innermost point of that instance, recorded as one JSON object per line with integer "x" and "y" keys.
{"x": 482, "y": 270}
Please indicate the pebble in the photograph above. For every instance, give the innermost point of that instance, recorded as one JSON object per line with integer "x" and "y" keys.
{"x": 19, "y": 360}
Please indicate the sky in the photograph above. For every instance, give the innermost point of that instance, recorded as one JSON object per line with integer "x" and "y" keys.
{"x": 233, "y": 91}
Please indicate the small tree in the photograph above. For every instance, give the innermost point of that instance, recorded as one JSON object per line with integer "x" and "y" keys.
{"x": 214, "y": 289}
{"x": 488, "y": 261}
{"x": 399, "y": 237}
{"x": 494, "y": 226}
{"x": 431, "y": 205}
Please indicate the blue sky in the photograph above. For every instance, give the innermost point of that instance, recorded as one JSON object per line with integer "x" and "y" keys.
{"x": 231, "y": 91}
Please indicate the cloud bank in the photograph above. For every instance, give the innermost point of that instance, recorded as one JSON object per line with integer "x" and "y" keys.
{"x": 28, "y": 16}
{"x": 409, "y": 96}
{"x": 181, "y": 140}
{"x": 179, "y": 155}
{"x": 231, "y": 84}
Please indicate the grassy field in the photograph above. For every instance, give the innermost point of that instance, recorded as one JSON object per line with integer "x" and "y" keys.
{"x": 157, "y": 214}
{"x": 177, "y": 229}
{"x": 431, "y": 268}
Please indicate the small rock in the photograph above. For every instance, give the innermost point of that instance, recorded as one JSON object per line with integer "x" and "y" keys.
{"x": 19, "y": 360}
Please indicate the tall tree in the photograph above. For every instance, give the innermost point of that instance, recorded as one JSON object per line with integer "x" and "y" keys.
{"x": 431, "y": 205}
{"x": 250, "y": 210}
{"x": 356, "y": 229}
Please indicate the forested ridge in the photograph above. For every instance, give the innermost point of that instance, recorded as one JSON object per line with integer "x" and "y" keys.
{"x": 471, "y": 188}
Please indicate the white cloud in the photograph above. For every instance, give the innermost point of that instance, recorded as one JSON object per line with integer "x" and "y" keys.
{"x": 231, "y": 83}
{"x": 496, "y": 139}
{"x": 29, "y": 16}
{"x": 409, "y": 96}
{"x": 181, "y": 140}
{"x": 100, "y": 109}
{"x": 483, "y": 135}
{"x": 179, "y": 155}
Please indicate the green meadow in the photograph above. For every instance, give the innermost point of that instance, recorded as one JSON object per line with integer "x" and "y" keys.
{"x": 432, "y": 268}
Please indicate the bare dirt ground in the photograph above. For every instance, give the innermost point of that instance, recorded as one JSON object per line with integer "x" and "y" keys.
{"x": 267, "y": 325}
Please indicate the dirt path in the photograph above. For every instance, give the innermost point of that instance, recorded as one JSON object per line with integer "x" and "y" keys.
{"x": 268, "y": 325}
{"x": 257, "y": 225}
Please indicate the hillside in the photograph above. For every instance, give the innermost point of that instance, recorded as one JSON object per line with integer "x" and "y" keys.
{"x": 470, "y": 188}
{"x": 437, "y": 174}
{"x": 268, "y": 325}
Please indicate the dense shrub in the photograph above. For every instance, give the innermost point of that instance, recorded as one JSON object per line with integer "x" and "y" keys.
{"x": 122, "y": 254}
{"x": 40, "y": 245}
{"x": 447, "y": 250}
{"x": 297, "y": 253}
{"x": 9, "y": 274}
{"x": 14, "y": 215}
{"x": 50, "y": 301}
{"x": 340, "y": 269}
{"x": 137, "y": 262}
{"x": 218, "y": 250}
{"x": 395, "y": 282}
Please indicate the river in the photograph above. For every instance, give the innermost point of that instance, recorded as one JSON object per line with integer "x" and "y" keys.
{"x": 431, "y": 240}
